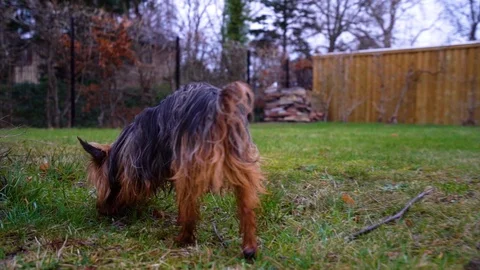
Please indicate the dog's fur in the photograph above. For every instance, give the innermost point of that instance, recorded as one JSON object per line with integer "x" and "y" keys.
{"x": 196, "y": 139}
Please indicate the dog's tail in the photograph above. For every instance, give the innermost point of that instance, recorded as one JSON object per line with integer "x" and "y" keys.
{"x": 241, "y": 161}
{"x": 237, "y": 97}
{"x": 236, "y": 102}
{"x": 221, "y": 151}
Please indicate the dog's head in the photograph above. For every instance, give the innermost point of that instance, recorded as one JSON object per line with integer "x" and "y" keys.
{"x": 97, "y": 173}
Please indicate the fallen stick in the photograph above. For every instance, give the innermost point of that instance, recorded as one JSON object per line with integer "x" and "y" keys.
{"x": 218, "y": 235}
{"x": 390, "y": 218}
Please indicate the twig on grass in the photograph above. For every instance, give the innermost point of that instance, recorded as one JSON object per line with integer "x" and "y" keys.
{"x": 59, "y": 252}
{"x": 218, "y": 235}
{"x": 331, "y": 178}
{"x": 5, "y": 154}
{"x": 390, "y": 218}
{"x": 9, "y": 132}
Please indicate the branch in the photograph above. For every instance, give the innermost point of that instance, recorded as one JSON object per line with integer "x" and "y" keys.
{"x": 390, "y": 218}
{"x": 218, "y": 235}
{"x": 414, "y": 39}
{"x": 5, "y": 154}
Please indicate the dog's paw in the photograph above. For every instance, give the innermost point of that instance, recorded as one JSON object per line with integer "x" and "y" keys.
{"x": 249, "y": 253}
{"x": 185, "y": 240}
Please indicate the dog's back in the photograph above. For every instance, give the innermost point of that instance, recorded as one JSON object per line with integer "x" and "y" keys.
{"x": 186, "y": 127}
{"x": 147, "y": 143}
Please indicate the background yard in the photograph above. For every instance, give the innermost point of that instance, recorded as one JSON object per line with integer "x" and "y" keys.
{"x": 325, "y": 181}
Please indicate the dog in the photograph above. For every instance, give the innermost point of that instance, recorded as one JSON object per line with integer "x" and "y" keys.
{"x": 196, "y": 140}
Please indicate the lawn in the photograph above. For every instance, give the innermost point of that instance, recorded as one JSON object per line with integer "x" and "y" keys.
{"x": 325, "y": 181}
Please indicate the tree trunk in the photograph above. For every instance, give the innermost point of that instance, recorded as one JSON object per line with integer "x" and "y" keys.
{"x": 285, "y": 28}
{"x": 403, "y": 92}
{"x": 381, "y": 105}
{"x": 471, "y": 105}
{"x": 9, "y": 99}
{"x": 52, "y": 91}
{"x": 473, "y": 31}
{"x": 56, "y": 103}
{"x": 387, "y": 42}
{"x": 331, "y": 45}
{"x": 100, "y": 118}
{"x": 48, "y": 105}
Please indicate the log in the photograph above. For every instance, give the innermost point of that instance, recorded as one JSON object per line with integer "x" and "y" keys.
{"x": 288, "y": 105}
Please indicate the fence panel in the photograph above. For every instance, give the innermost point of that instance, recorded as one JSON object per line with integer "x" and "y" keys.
{"x": 436, "y": 85}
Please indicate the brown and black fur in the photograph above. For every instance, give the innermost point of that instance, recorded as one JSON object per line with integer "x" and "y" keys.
{"x": 196, "y": 139}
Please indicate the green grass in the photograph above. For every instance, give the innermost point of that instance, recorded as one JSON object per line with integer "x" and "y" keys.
{"x": 48, "y": 219}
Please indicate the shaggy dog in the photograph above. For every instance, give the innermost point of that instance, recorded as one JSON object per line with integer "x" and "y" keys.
{"x": 197, "y": 139}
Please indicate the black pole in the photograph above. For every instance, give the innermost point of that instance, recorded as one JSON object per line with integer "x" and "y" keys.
{"x": 248, "y": 66}
{"x": 287, "y": 72}
{"x": 177, "y": 66}
{"x": 72, "y": 74}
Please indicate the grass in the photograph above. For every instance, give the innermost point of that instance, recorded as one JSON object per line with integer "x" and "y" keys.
{"x": 325, "y": 181}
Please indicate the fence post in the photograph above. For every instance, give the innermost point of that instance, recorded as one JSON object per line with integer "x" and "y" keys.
{"x": 287, "y": 72}
{"x": 72, "y": 73}
{"x": 177, "y": 64}
{"x": 248, "y": 66}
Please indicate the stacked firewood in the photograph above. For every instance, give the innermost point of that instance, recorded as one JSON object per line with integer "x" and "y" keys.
{"x": 288, "y": 105}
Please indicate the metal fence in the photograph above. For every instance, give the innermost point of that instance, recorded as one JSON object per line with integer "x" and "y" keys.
{"x": 85, "y": 69}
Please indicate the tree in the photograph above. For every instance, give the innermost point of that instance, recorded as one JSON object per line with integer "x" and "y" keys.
{"x": 336, "y": 19}
{"x": 202, "y": 43}
{"x": 11, "y": 46}
{"x": 46, "y": 21}
{"x": 43, "y": 25}
{"x": 379, "y": 21}
{"x": 234, "y": 35}
{"x": 464, "y": 15}
{"x": 384, "y": 97}
{"x": 11, "y": 43}
{"x": 102, "y": 53}
{"x": 153, "y": 38}
{"x": 235, "y": 17}
{"x": 111, "y": 6}
{"x": 291, "y": 19}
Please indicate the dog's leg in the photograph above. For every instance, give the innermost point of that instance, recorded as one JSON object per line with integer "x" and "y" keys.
{"x": 245, "y": 176}
{"x": 247, "y": 201}
{"x": 188, "y": 213}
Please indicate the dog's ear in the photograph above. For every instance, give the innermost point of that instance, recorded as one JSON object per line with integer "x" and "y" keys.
{"x": 98, "y": 152}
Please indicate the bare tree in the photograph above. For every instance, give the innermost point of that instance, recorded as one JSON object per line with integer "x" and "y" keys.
{"x": 200, "y": 40}
{"x": 411, "y": 78}
{"x": 48, "y": 23}
{"x": 11, "y": 46}
{"x": 464, "y": 15}
{"x": 326, "y": 95}
{"x": 473, "y": 102}
{"x": 348, "y": 100}
{"x": 337, "y": 83}
{"x": 379, "y": 70}
{"x": 266, "y": 64}
{"x": 153, "y": 35}
{"x": 337, "y": 17}
{"x": 380, "y": 19}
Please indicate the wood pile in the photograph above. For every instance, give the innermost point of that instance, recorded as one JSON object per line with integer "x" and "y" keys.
{"x": 288, "y": 105}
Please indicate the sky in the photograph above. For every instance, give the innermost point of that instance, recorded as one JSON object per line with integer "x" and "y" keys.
{"x": 423, "y": 18}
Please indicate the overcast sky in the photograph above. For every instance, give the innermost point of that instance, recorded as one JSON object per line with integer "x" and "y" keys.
{"x": 424, "y": 18}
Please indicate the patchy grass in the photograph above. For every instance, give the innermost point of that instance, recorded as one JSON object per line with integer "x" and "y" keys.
{"x": 325, "y": 181}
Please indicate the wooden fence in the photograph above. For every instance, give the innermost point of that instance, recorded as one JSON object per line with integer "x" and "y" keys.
{"x": 436, "y": 85}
